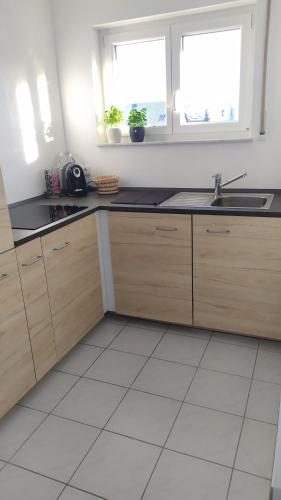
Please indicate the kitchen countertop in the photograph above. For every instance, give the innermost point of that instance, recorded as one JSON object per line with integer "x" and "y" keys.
{"x": 96, "y": 202}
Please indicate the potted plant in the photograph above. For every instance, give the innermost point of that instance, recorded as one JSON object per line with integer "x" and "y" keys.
{"x": 112, "y": 118}
{"x": 137, "y": 121}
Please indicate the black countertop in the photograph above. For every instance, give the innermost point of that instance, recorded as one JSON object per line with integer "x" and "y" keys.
{"x": 96, "y": 202}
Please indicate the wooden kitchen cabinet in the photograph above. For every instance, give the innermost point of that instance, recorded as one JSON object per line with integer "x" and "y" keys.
{"x": 237, "y": 274}
{"x": 17, "y": 374}
{"x": 37, "y": 306}
{"x": 152, "y": 265}
{"x": 6, "y": 235}
{"x": 73, "y": 276}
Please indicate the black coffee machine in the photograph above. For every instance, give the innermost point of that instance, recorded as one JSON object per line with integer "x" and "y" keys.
{"x": 73, "y": 180}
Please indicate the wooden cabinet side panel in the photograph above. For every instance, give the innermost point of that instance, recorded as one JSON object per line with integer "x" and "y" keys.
{"x": 6, "y": 234}
{"x": 37, "y": 306}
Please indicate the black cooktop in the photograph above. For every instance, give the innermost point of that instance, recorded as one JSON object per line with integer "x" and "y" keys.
{"x": 142, "y": 197}
{"x": 32, "y": 216}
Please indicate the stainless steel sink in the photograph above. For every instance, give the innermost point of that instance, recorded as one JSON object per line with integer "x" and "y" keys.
{"x": 249, "y": 200}
{"x": 261, "y": 201}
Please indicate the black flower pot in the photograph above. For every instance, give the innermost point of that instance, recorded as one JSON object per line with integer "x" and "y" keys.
{"x": 137, "y": 134}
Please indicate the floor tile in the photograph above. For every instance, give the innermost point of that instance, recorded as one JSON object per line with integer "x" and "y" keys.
{"x": 20, "y": 484}
{"x": 103, "y": 334}
{"x": 178, "y": 477}
{"x": 117, "y": 467}
{"x": 16, "y": 427}
{"x": 270, "y": 345}
{"x": 256, "y": 449}
{"x": 73, "y": 494}
{"x": 190, "y": 332}
{"x": 229, "y": 358}
{"x": 79, "y": 359}
{"x": 148, "y": 325}
{"x": 49, "y": 391}
{"x": 137, "y": 340}
{"x": 180, "y": 349}
{"x": 2, "y": 464}
{"x": 90, "y": 402}
{"x": 56, "y": 448}
{"x": 206, "y": 434}
{"x": 264, "y": 402}
{"x": 268, "y": 367}
{"x": 165, "y": 378}
{"x": 144, "y": 417}
{"x": 116, "y": 367}
{"x": 247, "y": 487}
{"x": 219, "y": 391}
{"x": 229, "y": 338}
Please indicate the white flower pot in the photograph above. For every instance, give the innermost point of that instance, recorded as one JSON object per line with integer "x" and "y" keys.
{"x": 113, "y": 135}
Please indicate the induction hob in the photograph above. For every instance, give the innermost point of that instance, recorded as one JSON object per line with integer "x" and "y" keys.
{"x": 32, "y": 216}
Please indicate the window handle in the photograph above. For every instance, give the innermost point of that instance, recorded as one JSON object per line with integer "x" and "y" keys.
{"x": 65, "y": 244}
{"x": 37, "y": 259}
{"x": 3, "y": 277}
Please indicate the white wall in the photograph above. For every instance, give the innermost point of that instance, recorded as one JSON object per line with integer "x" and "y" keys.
{"x": 161, "y": 165}
{"x": 27, "y": 50}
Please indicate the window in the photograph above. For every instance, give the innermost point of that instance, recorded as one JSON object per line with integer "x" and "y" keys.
{"x": 194, "y": 75}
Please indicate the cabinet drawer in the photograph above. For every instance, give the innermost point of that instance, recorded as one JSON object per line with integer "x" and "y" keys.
{"x": 16, "y": 365}
{"x": 37, "y": 306}
{"x": 157, "y": 229}
{"x": 6, "y": 235}
{"x": 152, "y": 271}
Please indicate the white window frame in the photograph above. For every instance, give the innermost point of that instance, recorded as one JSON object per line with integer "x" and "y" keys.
{"x": 173, "y": 30}
{"x": 214, "y": 22}
{"x": 137, "y": 35}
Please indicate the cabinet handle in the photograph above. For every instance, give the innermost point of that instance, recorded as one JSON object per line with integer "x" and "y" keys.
{"x": 166, "y": 228}
{"x": 66, "y": 244}
{"x": 37, "y": 259}
{"x": 3, "y": 276}
{"x": 223, "y": 231}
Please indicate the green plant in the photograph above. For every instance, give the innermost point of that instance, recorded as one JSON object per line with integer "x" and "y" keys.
{"x": 113, "y": 116}
{"x": 137, "y": 118}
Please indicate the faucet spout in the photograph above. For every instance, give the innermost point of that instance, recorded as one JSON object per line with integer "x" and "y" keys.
{"x": 219, "y": 184}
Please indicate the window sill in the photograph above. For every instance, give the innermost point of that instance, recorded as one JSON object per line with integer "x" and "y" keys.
{"x": 150, "y": 142}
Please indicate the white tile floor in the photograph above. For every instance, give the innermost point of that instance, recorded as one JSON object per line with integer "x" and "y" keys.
{"x": 143, "y": 411}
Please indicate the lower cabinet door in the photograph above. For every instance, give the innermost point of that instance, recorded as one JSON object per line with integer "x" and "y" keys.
{"x": 73, "y": 276}
{"x": 37, "y": 306}
{"x": 17, "y": 374}
{"x": 237, "y": 274}
{"x": 152, "y": 265}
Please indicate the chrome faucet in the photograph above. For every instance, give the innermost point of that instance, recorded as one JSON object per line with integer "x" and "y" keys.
{"x": 219, "y": 184}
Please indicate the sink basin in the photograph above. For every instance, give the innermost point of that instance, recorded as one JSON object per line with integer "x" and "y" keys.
{"x": 262, "y": 201}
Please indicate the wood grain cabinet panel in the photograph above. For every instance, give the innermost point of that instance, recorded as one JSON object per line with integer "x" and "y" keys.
{"x": 17, "y": 374}
{"x": 2, "y": 192}
{"x": 237, "y": 274}
{"x": 37, "y": 306}
{"x": 73, "y": 276}
{"x": 6, "y": 235}
{"x": 152, "y": 265}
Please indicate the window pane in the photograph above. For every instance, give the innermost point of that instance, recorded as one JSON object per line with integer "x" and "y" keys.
{"x": 139, "y": 76}
{"x": 210, "y": 77}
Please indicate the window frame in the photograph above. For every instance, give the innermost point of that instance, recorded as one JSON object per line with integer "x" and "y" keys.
{"x": 215, "y": 22}
{"x": 110, "y": 40}
{"x": 173, "y": 29}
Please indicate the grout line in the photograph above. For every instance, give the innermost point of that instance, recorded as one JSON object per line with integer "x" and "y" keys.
{"x": 173, "y": 424}
{"x": 242, "y": 426}
{"x": 104, "y": 427}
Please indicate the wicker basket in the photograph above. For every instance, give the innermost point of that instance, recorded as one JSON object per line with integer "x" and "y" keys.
{"x": 106, "y": 184}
